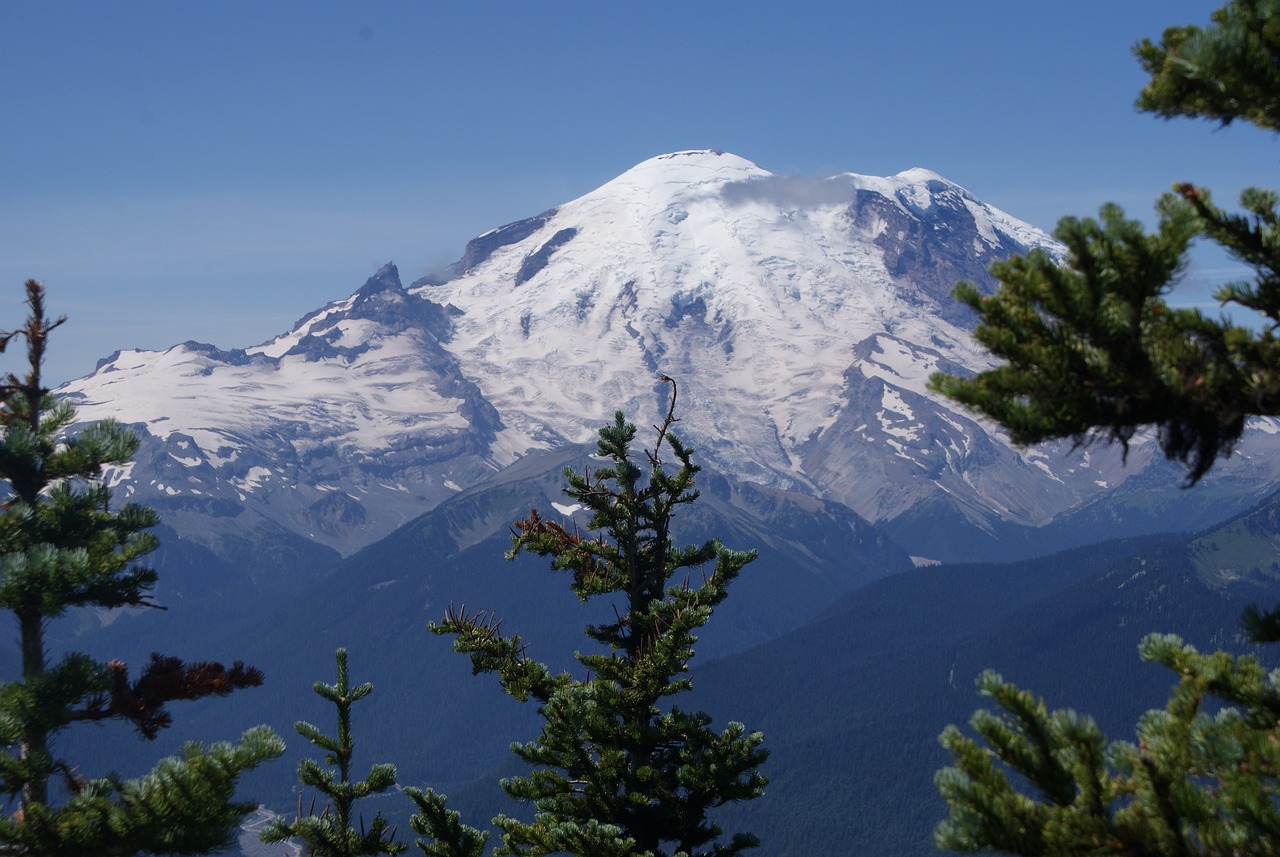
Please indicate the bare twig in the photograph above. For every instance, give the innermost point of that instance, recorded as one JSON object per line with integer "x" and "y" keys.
{"x": 666, "y": 423}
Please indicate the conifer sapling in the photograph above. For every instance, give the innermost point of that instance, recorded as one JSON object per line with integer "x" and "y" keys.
{"x": 330, "y": 832}
{"x": 619, "y": 769}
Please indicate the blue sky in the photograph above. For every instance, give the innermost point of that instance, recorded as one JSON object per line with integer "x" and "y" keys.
{"x": 214, "y": 171}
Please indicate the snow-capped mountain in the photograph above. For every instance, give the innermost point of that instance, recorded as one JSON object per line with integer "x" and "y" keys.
{"x": 801, "y": 318}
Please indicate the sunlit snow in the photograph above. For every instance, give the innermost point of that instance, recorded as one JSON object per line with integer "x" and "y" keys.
{"x": 802, "y": 360}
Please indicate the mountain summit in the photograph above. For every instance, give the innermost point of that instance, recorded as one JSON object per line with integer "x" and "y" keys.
{"x": 800, "y": 316}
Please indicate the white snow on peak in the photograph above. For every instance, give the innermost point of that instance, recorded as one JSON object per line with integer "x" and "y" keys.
{"x": 751, "y": 288}
{"x": 314, "y": 322}
{"x": 920, "y": 175}
{"x": 665, "y": 180}
{"x": 689, "y": 167}
{"x": 770, "y": 298}
{"x": 370, "y": 400}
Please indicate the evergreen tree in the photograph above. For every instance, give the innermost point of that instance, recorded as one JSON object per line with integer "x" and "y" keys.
{"x": 619, "y": 770}
{"x": 62, "y": 546}
{"x": 1092, "y": 349}
{"x": 448, "y": 836}
{"x": 331, "y": 834}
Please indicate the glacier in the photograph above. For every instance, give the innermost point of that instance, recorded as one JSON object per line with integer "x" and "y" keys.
{"x": 800, "y": 316}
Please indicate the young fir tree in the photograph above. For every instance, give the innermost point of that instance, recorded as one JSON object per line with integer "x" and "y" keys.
{"x": 618, "y": 769}
{"x": 446, "y": 835}
{"x": 63, "y": 546}
{"x": 331, "y": 834}
{"x": 1093, "y": 349}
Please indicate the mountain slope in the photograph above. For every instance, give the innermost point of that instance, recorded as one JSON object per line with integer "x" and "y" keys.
{"x": 801, "y": 318}
{"x": 852, "y": 704}
{"x": 378, "y": 602}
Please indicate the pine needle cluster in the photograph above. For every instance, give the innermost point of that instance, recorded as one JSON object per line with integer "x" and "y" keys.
{"x": 1200, "y": 778}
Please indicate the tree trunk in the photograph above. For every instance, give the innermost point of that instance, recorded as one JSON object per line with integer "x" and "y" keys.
{"x": 34, "y": 739}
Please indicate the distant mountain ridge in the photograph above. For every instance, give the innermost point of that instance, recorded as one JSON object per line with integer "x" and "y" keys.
{"x": 801, "y": 318}
{"x": 852, "y": 703}
{"x": 850, "y": 697}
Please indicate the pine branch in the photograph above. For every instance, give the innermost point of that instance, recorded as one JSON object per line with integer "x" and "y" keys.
{"x": 449, "y": 836}
{"x": 164, "y": 680}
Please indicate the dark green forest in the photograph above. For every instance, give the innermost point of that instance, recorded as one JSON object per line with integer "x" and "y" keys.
{"x": 861, "y": 690}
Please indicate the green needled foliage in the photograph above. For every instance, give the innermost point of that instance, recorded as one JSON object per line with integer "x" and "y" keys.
{"x": 330, "y": 834}
{"x": 1200, "y": 779}
{"x": 1224, "y": 72}
{"x": 619, "y": 770}
{"x": 62, "y": 546}
{"x": 447, "y": 835}
{"x": 1091, "y": 348}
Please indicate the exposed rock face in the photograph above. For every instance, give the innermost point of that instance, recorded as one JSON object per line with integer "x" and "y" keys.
{"x": 537, "y": 260}
{"x": 930, "y": 249}
{"x": 479, "y": 249}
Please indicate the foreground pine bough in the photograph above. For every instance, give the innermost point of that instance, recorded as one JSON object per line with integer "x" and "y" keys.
{"x": 62, "y": 546}
{"x": 1091, "y": 349}
{"x": 1200, "y": 779}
